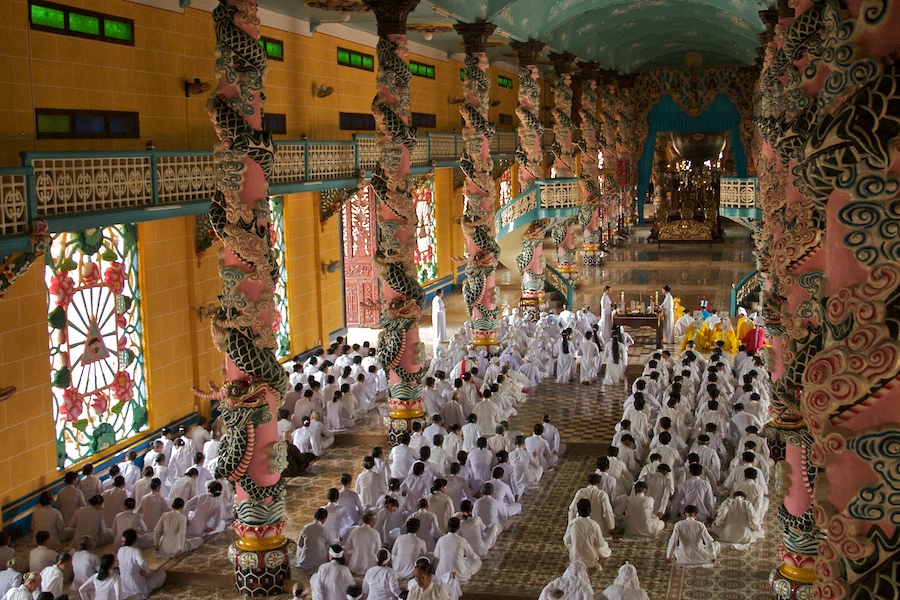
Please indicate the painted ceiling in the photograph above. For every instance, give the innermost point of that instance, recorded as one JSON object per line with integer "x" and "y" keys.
{"x": 625, "y": 35}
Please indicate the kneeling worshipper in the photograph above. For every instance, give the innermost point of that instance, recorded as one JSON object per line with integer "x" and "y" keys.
{"x": 331, "y": 579}
{"x": 573, "y": 584}
{"x": 627, "y": 586}
{"x": 691, "y": 544}
{"x": 138, "y": 581}
{"x": 380, "y": 581}
{"x": 425, "y": 585}
{"x": 170, "y": 535}
{"x": 584, "y": 537}
{"x": 641, "y": 522}
{"x": 737, "y": 523}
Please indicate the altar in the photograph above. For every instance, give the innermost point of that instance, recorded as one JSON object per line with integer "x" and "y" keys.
{"x": 641, "y": 320}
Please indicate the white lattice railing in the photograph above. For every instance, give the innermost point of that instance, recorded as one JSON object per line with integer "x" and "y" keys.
{"x": 367, "y": 151}
{"x": 522, "y": 205}
{"x": 419, "y": 156}
{"x": 562, "y": 193}
{"x": 505, "y": 142}
{"x": 738, "y": 192}
{"x": 443, "y": 146}
{"x": 185, "y": 177}
{"x": 331, "y": 161}
{"x": 290, "y": 163}
{"x": 67, "y": 186}
{"x": 13, "y": 204}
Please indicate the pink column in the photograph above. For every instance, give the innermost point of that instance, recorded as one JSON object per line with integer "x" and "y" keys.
{"x": 251, "y": 454}
{"x": 479, "y": 288}
{"x": 589, "y": 179}
{"x": 563, "y": 150}
{"x": 399, "y": 348}
{"x": 529, "y": 155}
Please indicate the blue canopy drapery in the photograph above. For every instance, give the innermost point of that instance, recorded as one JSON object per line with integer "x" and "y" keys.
{"x": 668, "y": 116}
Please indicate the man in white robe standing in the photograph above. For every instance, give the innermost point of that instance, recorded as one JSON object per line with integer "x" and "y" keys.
{"x": 606, "y": 316}
{"x": 439, "y": 318}
{"x": 667, "y": 308}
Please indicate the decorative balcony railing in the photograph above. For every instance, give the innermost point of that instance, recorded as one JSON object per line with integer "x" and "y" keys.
{"x": 738, "y": 192}
{"x": 749, "y": 285}
{"x": 548, "y": 198}
{"x": 94, "y": 189}
{"x": 560, "y": 283}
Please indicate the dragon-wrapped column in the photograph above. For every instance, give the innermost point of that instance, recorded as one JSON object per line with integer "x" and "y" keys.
{"x": 589, "y": 179}
{"x": 563, "y": 150}
{"x": 627, "y": 149}
{"x": 251, "y": 454}
{"x": 529, "y": 155}
{"x": 399, "y": 349}
{"x": 608, "y": 184}
{"x": 479, "y": 289}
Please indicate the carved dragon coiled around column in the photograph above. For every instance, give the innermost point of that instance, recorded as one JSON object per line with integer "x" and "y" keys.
{"x": 530, "y": 129}
{"x": 393, "y": 258}
{"x": 242, "y": 326}
{"x": 589, "y": 145}
{"x": 477, "y": 222}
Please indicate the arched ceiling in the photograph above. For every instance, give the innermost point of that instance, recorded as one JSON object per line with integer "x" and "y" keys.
{"x": 624, "y": 35}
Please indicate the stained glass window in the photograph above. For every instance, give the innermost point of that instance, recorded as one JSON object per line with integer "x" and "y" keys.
{"x": 505, "y": 188}
{"x": 425, "y": 254}
{"x": 96, "y": 352}
{"x": 281, "y": 322}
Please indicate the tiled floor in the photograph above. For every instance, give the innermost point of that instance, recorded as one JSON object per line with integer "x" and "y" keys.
{"x": 531, "y": 553}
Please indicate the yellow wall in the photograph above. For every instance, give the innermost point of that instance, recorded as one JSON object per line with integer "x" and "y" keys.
{"x": 49, "y": 70}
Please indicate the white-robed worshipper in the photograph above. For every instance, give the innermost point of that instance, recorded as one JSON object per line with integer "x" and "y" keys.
{"x": 41, "y": 556}
{"x": 370, "y": 484}
{"x": 29, "y": 589}
{"x": 438, "y": 318}
{"x": 331, "y": 579}
{"x": 407, "y": 549}
{"x": 312, "y": 546}
{"x": 129, "y": 518}
{"x": 537, "y": 444}
{"x": 105, "y": 584}
{"x": 667, "y": 308}
{"x": 46, "y": 518}
{"x": 641, "y": 521}
{"x": 455, "y": 555}
{"x": 479, "y": 536}
{"x": 84, "y": 563}
{"x": 137, "y": 579}
{"x": 695, "y": 492}
{"x": 170, "y": 534}
{"x": 426, "y": 586}
{"x": 601, "y": 509}
{"x": 52, "y": 576}
{"x": 573, "y": 584}
{"x": 88, "y": 520}
{"x": 380, "y": 581}
{"x": 70, "y": 498}
{"x": 614, "y": 358}
{"x": 736, "y": 522}
{"x": 363, "y": 543}
{"x": 527, "y": 469}
{"x": 691, "y": 544}
{"x": 565, "y": 358}
{"x": 606, "y": 316}
{"x": 589, "y": 359}
{"x": 627, "y": 586}
{"x": 207, "y": 514}
{"x": 584, "y": 537}
{"x": 11, "y": 576}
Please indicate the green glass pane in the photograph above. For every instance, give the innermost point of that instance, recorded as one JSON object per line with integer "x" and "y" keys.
{"x": 462, "y": 74}
{"x": 53, "y": 124}
{"x": 48, "y": 17}
{"x": 355, "y": 60}
{"x": 118, "y": 30}
{"x": 430, "y": 72}
{"x": 84, "y": 24}
{"x": 368, "y": 62}
{"x": 343, "y": 57}
{"x": 274, "y": 49}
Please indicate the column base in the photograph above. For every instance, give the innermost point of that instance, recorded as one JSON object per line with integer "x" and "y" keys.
{"x": 592, "y": 258}
{"x": 399, "y": 421}
{"x": 792, "y": 583}
{"x": 262, "y": 572}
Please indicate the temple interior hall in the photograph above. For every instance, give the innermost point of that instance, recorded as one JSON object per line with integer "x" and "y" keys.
{"x": 194, "y": 194}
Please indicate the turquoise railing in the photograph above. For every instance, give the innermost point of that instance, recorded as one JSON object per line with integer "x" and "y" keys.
{"x": 560, "y": 283}
{"x": 547, "y": 199}
{"x": 74, "y": 190}
{"x": 748, "y": 285}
